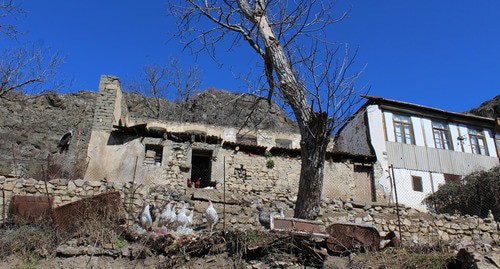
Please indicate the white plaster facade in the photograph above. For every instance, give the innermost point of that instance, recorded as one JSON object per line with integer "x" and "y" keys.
{"x": 419, "y": 159}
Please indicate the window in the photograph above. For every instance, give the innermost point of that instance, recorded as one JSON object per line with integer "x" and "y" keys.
{"x": 452, "y": 179}
{"x": 417, "y": 183}
{"x": 403, "y": 129}
{"x": 283, "y": 143}
{"x": 477, "y": 142}
{"x": 154, "y": 154}
{"x": 441, "y": 135}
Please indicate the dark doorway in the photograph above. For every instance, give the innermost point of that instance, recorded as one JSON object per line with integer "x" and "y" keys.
{"x": 201, "y": 168}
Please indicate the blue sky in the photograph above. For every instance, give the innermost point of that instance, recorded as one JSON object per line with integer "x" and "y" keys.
{"x": 443, "y": 54}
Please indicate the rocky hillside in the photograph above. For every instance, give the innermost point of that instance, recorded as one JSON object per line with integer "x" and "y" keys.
{"x": 486, "y": 108}
{"x": 31, "y": 126}
{"x": 216, "y": 107}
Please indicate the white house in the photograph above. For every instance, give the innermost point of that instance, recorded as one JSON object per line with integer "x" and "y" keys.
{"x": 421, "y": 147}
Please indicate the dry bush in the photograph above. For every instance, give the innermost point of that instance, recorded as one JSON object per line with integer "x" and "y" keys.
{"x": 97, "y": 231}
{"x": 95, "y": 220}
{"x": 403, "y": 258}
{"x": 27, "y": 241}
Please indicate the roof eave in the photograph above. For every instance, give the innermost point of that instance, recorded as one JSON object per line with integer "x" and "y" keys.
{"x": 429, "y": 111}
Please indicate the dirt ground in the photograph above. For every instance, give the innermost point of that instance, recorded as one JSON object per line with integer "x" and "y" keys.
{"x": 217, "y": 262}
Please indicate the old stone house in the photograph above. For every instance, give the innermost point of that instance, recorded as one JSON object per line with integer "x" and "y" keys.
{"x": 200, "y": 157}
{"x": 420, "y": 147}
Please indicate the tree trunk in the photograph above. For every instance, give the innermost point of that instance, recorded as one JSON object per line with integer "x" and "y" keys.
{"x": 314, "y": 144}
{"x": 314, "y": 128}
{"x": 158, "y": 107}
{"x": 182, "y": 110}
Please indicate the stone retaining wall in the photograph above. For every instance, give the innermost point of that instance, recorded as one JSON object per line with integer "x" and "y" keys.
{"x": 240, "y": 211}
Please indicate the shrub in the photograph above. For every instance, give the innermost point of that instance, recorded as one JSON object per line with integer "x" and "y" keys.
{"x": 27, "y": 241}
{"x": 435, "y": 260}
{"x": 270, "y": 164}
{"x": 477, "y": 194}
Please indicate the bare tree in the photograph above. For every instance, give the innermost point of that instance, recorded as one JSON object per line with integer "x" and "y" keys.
{"x": 154, "y": 83}
{"x": 187, "y": 83}
{"x": 298, "y": 60}
{"x": 29, "y": 69}
{"x": 9, "y": 11}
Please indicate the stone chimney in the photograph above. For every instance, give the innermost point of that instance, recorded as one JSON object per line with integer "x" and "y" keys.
{"x": 111, "y": 106}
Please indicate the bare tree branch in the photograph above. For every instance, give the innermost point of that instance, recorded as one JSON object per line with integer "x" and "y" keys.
{"x": 154, "y": 82}
{"x": 9, "y": 12}
{"x": 29, "y": 69}
{"x": 187, "y": 83}
{"x": 312, "y": 79}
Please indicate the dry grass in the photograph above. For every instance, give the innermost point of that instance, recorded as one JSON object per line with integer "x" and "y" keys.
{"x": 27, "y": 241}
{"x": 402, "y": 258}
{"x": 240, "y": 248}
{"x": 97, "y": 232}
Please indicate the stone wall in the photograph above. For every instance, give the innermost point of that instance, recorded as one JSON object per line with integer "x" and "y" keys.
{"x": 240, "y": 212}
{"x": 120, "y": 156}
{"x": 124, "y": 161}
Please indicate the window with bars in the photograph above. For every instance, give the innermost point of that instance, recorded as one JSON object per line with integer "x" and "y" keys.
{"x": 478, "y": 142}
{"x": 417, "y": 183}
{"x": 441, "y": 135}
{"x": 403, "y": 129}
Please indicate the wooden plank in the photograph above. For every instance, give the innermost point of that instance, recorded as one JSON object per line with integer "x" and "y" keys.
{"x": 298, "y": 226}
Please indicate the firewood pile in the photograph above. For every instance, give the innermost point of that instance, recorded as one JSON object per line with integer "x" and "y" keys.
{"x": 243, "y": 246}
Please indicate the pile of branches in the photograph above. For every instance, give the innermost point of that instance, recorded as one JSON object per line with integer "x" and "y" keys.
{"x": 240, "y": 246}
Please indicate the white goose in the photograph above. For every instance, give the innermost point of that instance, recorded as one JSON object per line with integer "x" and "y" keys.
{"x": 211, "y": 215}
{"x": 168, "y": 215}
{"x": 145, "y": 219}
{"x": 182, "y": 218}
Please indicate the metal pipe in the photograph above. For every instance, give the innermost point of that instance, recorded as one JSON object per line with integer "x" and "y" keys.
{"x": 397, "y": 204}
{"x": 224, "y": 193}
